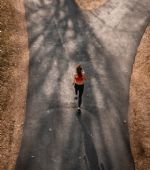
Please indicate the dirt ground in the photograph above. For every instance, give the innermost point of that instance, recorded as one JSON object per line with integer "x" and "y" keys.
{"x": 13, "y": 86}
{"x": 90, "y": 4}
{"x": 139, "y": 113}
{"x": 13, "y": 79}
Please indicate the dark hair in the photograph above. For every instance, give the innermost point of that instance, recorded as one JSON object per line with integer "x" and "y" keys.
{"x": 79, "y": 70}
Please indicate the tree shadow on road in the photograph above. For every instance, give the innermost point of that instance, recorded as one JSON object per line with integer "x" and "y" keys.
{"x": 60, "y": 37}
{"x": 90, "y": 156}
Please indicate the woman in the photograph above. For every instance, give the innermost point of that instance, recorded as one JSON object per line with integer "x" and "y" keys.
{"x": 78, "y": 82}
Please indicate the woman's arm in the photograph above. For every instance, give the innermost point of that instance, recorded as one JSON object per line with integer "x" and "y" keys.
{"x": 85, "y": 77}
{"x": 73, "y": 83}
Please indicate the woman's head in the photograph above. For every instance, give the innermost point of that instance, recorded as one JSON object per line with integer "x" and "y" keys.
{"x": 79, "y": 69}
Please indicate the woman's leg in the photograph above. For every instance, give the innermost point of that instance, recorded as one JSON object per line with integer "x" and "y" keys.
{"x": 76, "y": 89}
{"x": 81, "y": 89}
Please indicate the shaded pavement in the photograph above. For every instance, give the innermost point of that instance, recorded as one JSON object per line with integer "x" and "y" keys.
{"x": 104, "y": 42}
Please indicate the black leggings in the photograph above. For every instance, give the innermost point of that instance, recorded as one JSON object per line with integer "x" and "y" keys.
{"x": 79, "y": 88}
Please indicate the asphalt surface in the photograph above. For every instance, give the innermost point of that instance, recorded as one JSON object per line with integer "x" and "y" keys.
{"x": 104, "y": 41}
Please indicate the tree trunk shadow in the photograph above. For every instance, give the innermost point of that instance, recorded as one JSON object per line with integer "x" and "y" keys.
{"x": 91, "y": 158}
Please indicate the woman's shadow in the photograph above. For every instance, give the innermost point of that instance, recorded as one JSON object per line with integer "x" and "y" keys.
{"x": 91, "y": 158}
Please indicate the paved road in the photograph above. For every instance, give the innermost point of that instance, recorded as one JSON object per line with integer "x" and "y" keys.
{"x": 104, "y": 41}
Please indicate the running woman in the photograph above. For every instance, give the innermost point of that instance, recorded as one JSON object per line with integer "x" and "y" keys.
{"x": 78, "y": 82}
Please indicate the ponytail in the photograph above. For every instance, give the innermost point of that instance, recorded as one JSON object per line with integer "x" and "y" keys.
{"x": 79, "y": 70}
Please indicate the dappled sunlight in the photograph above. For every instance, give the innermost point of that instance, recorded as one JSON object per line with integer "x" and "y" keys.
{"x": 66, "y": 88}
{"x": 98, "y": 95}
{"x": 37, "y": 45}
{"x": 50, "y": 81}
